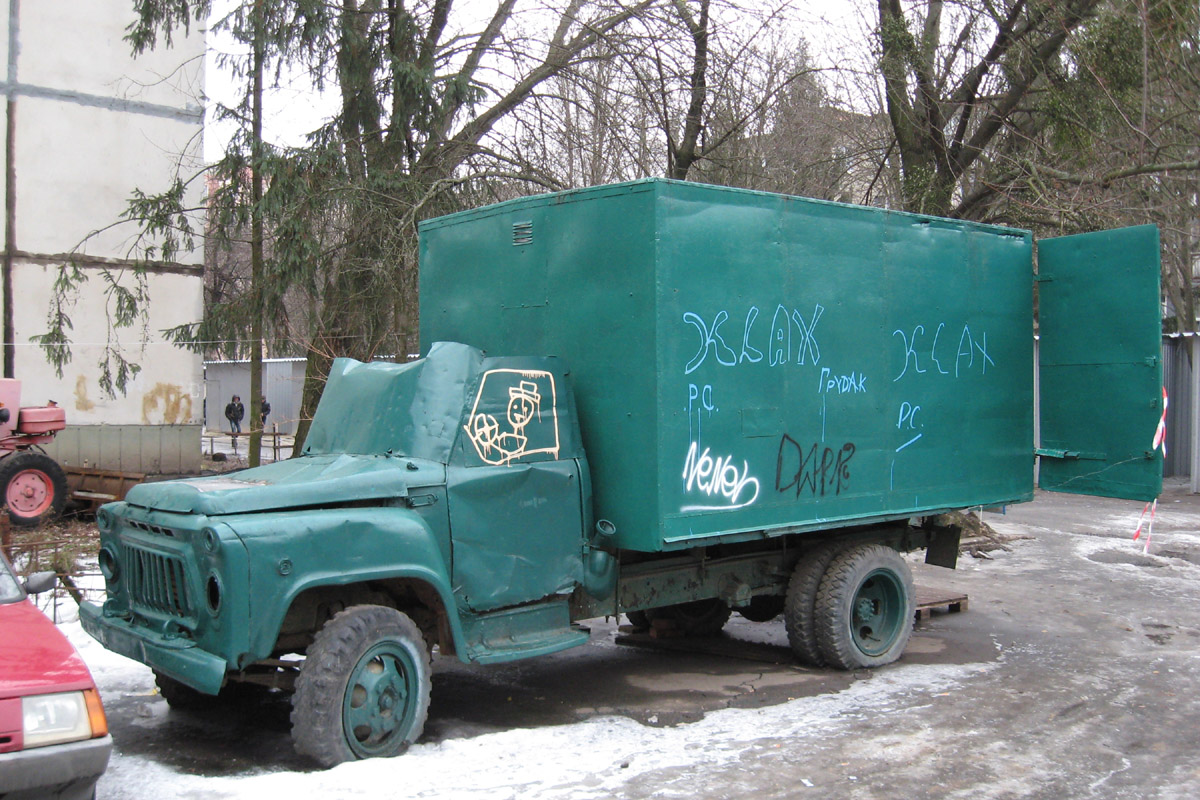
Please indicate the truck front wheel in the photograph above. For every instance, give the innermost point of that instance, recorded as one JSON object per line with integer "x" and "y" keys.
{"x": 864, "y": 609}
{"x": 363, "y": 691}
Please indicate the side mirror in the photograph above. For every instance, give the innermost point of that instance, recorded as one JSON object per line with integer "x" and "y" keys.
{"x": 40, "y": 582}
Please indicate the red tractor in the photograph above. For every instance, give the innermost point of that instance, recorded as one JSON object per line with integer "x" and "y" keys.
{"x": 32, "y": 485}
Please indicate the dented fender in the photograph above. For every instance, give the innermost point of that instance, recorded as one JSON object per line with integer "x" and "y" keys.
{"x": 292, "y": 552}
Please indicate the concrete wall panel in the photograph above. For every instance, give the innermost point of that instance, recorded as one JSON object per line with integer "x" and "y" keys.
{"x": 80, "y": 47}
{"x": 168, "y": 390}
{"x": 152, "y": 449}
{"x": 78, "y": 168}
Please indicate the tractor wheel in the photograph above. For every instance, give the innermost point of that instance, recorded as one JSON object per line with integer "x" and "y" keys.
{"x": 33, "y": 487}
{"x": 363, "y": 691}
{"x": 864, "y": 609}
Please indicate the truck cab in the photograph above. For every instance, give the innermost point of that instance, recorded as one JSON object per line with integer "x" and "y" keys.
{"x": 451, "y": 494}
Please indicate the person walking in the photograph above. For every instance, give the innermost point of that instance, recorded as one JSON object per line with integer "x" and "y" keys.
{"x": 266, "y": 409}
{"x": 234, "y": 412}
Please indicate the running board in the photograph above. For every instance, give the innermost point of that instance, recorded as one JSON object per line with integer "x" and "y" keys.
{"x": 522, "y": 632}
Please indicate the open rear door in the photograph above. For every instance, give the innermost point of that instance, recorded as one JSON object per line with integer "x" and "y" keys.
{"x": 1100, "y": 363}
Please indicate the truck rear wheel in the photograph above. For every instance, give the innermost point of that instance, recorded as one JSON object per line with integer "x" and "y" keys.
{"x": 363, "y": 691}
{"x": 33, "y": 487}
{"x": 638, "y": 619}
{"x": 864, "y": 609}
{"x": 762, "y": 607}
{"x": 697, "y": 618}
{"x": 802, "y": 600}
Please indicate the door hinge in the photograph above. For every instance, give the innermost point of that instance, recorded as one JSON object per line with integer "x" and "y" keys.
{"x": 1052, "y": 452}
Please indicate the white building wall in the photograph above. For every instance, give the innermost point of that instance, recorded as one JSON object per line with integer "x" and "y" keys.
{"x": 90, "y": 124}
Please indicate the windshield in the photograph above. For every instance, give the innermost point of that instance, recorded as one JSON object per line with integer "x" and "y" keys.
{"x": 10, "y": 587}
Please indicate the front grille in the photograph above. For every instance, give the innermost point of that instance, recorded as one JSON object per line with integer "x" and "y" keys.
{"x": 143, "y": 526}
{"x": 157, "y": 581}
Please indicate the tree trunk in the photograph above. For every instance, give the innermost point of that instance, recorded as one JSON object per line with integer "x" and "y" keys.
{"x": 254, "y": 451}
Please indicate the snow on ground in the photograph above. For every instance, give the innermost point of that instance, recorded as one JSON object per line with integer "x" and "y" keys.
{"x": 592, "y": 759}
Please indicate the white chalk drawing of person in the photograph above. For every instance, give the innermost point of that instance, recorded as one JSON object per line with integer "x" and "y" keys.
{"x": 502, "y": 447}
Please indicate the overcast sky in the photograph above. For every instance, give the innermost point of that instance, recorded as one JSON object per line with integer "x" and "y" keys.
{"x": 832, "y": 28}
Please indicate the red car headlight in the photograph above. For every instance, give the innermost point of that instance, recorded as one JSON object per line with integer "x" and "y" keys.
{"x": 62, "y": 717}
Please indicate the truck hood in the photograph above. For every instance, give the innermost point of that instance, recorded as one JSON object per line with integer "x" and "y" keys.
{"x": 300, "y": 482}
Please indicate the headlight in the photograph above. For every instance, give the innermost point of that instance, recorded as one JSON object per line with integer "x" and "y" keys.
{"x": 66, "y": 717}
{"x": 110, "y": 567}
{"x": 212, "y": 593}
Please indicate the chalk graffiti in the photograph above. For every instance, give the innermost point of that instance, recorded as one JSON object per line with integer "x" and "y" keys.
{"x": 971, "y": 349}
{"x": 700, "y": 404}
{"x": 718, "y": 478}
{"x": 521, "y": 394}
{"x": 854, "y": 383}
{"x": 710, "y": 340}
{"x": 819, "y": 470}
{"x": 791, "y": 339}
{"x": 908, "y": 415}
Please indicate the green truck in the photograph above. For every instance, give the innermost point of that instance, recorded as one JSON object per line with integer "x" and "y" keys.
{"x": 659, "y": 399}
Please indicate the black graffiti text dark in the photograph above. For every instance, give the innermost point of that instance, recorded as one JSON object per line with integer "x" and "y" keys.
{"x": 817, "y": 470}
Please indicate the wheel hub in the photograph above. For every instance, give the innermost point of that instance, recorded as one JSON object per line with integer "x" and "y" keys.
{"x": 29, "y": 493}
{"x": 377, "y": 701}
{"x": 878, "y": 615}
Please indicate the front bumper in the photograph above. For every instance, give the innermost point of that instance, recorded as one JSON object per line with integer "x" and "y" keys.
{"x": 65, "y": 771}
{"x": 178, "y": 658}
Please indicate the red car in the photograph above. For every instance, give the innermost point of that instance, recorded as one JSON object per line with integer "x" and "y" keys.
{"x": 54, "y": 740}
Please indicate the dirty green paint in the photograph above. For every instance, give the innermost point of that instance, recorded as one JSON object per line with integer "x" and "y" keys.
{"x": 394, "y": 409}
{"x": 514, "y": 486}
{"x": 736, "y": 365}
{"x": 400, "y": 456}
{"x": 1100, "y": 368}
{"x": 745, "y": 361}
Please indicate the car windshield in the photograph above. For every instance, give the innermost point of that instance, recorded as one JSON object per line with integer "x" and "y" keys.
{"x": 10, "y": 587}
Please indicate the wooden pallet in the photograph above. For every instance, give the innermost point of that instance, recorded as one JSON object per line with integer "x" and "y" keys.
{"x": 929, "y": 599}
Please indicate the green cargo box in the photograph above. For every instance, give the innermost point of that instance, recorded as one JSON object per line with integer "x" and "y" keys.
{"x": 747, "y": 364}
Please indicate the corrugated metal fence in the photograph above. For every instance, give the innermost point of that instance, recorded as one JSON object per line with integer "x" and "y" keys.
{"x": 1177, "y": 377}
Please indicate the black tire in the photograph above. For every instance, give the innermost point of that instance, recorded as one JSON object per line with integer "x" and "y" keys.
{"x": 33, "y": 487}
{"x": 181, "y": 697}
{"x": 363, "y": 691}
{"x": 802, "y": 600}
{"x": 864, "y": 609}
{"x": 697, "y": 618}
{"x": 763, "y": 607}
{"x": 638, "y": 619}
